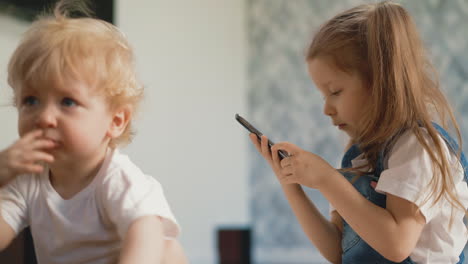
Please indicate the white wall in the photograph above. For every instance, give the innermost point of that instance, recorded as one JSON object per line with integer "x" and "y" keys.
{"x": 10, "y": 32}
{"x": 192, "y": 59}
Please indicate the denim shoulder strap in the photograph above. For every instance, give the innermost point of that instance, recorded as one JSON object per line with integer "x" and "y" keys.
{"x": 353, "y": 152}
{"x": 354, "y": 248}
{"x": 350, "y": 154}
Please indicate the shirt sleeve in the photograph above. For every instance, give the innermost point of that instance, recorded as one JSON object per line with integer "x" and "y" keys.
{"x": 13, "y": 203}
{"x": 409, "y": 174}
{"x": 129, "y": 197}
{"x": 330, "y": 209}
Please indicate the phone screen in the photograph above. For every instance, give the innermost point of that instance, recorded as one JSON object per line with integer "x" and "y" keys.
{"x": 282, "y": 154}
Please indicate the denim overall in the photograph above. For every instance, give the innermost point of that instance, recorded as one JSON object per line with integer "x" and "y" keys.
{"x": 355, "y": 250}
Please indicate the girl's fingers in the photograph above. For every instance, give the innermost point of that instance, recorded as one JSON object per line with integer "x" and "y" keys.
{"x": 265, "y": 148}
{"x": 275, "y": 157}
{"x": 285, "y": 162}
{"x": 283, "y": 169}
{"x": 255, "y": 141}
{"x": 287, "y": 147}
{"x": 259, "y": 146}
{"x": 264, "y": 145}
{"x": 287, "y": 171}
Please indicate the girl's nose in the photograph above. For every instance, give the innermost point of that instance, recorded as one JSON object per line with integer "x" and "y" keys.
{"x": 329, "y": 109}
{"x": 46, "y": 118}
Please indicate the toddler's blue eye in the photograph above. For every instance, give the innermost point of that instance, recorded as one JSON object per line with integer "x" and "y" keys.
{"x": 68, "y": 102}
{"x": 30, "y": 101}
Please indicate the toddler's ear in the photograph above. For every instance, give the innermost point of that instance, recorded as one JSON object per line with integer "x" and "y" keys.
{"x": 120, "y": 120}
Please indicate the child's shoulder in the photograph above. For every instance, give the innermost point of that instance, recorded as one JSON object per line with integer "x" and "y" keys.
{"x": 408, "y": 148}
{"x": 27, "y": 182}
{"x": 119, "y": 170}
{"x": 408, "y": 143}
{"x": 119, "y": 162}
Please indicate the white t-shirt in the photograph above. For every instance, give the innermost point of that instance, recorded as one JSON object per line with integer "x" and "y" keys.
{"x": 407, "y": 175}
{"x": 89, "y": 227}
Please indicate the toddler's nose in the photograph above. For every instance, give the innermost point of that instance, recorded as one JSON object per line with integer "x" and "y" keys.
{"x": 46, "y": 118}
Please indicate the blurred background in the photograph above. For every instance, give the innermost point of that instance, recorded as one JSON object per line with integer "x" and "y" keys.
{"x": 203, "y": 61}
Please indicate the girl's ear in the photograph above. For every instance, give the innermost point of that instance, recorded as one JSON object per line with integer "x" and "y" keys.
{"x": 119, "y": 122}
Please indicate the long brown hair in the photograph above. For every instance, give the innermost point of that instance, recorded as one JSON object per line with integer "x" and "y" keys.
{"x": 380, "y": 42}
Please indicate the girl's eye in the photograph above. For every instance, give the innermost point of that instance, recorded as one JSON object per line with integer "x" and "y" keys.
{"x": 336, "y": 93}
{"x": 30, "y": 101}
{"x": 68, "y": 102}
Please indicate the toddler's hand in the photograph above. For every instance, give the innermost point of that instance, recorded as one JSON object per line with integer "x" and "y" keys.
{"x": 25, "y": 156}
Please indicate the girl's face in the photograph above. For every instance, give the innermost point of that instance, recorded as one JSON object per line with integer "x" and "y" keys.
{"x": 345, "y": 95}
{"x": 74, "y": 117}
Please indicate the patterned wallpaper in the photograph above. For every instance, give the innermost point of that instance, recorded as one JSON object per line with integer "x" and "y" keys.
{"x": 284, "y": 104}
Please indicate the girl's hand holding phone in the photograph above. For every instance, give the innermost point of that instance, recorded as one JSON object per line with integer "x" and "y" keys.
{"x": 25, "y": 156}
{"x": 301, "y": 167}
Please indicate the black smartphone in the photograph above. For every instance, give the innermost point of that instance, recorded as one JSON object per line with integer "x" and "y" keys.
{"x": 281, "y": 153}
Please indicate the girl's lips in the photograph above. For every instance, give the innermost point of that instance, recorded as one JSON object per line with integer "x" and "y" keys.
{"x": 341, "y": 126}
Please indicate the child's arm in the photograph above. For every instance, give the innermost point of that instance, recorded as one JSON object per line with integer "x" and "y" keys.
{"x": 325, "y": 235}
{"x": 136, "y": 204}
{"x": 392, "y": 231}
{"x": 143, "y": 242}
{"x": 7, "y": 234}
{"x": 21, "y": 157}
{"x": 173, "y": 253}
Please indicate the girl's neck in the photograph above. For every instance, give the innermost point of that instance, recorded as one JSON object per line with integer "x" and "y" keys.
{"x": 69, "y": 179}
